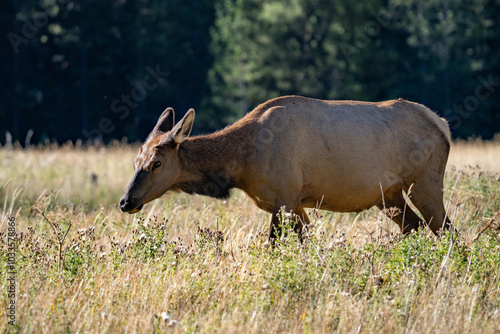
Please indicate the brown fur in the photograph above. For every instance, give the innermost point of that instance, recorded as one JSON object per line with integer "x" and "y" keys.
{"x": 300, "y": 153}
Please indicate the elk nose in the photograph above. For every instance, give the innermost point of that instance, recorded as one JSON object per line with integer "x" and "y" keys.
{"x": 124, "y": 204}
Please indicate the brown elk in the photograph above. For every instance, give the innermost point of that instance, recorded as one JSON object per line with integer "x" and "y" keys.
{"x": 297, "y": 152}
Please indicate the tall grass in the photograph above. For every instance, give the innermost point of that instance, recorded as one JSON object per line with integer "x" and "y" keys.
{"x": 194, "y": 264}
{"x": 476, "y": 152}
{"x": 89, "y": 177}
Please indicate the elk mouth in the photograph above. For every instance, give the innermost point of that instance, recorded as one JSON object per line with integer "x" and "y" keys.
{"x": 136, "y": 209}
{"x": 127, "y": 206}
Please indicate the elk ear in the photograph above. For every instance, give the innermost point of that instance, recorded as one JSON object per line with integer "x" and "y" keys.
{"x": 166, "y": 121}
{"x": 182, "y": 129}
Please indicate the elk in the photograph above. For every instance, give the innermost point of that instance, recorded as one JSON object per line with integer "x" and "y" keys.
{"x": 298, "y": 152}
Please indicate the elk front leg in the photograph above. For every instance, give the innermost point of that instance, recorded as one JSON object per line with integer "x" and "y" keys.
{"x": 302, "y": 222}
{"x": 275, "y": 229}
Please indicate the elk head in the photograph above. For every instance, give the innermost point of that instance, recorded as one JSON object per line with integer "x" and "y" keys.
{"x": 157, "y": 166}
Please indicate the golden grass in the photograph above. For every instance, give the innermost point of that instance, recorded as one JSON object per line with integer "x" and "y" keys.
{"x": 485, "y": 154}
{"x": 165, "y": 270}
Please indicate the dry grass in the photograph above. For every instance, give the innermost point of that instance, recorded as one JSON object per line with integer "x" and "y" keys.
{"x": 194, "y": 264}
{"x": 476, "y": 152}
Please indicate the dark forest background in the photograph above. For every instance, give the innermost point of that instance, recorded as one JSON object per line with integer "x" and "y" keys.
{"x": 94, "y": 69}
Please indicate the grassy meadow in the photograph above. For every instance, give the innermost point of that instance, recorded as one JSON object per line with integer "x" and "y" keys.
{"x": 199, "y": 265}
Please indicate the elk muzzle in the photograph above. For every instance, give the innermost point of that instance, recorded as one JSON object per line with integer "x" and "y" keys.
{"x": 130, "y": 203}
{"x": 129, "y": 206}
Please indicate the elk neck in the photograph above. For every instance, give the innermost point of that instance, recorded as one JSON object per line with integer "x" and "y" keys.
{"x": 212, "y": 164}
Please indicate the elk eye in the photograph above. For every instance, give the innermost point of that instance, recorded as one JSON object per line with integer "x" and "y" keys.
{"x": 156, "y": 164}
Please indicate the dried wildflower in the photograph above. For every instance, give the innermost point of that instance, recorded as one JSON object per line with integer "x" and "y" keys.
{"x": 164, "y": 317}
